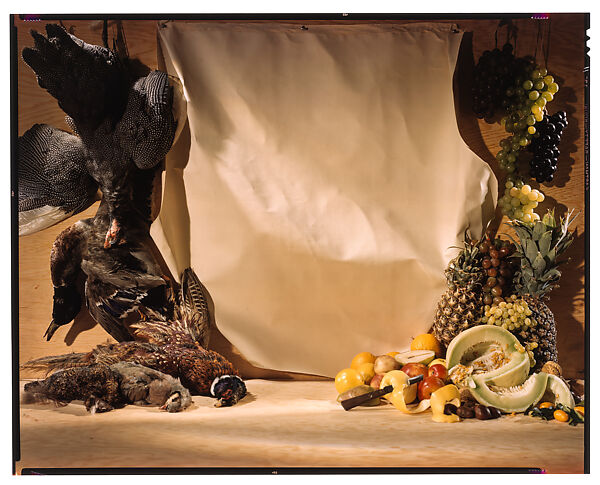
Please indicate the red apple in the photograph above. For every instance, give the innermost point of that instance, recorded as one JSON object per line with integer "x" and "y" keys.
{"x": 376, "y": 381}
{"x": 412, "y": 370}
{"x": 427, "y": 386}
{"x": 439, "y": 370}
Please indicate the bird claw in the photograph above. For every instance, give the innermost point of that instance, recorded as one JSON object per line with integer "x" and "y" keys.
{"x": 53, "y": 327}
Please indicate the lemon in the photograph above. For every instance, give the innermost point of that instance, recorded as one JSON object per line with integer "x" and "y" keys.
{"x": 362, "y": 358}
{"x": 366, "y": 371}
{"x": 426, "y": 341}
{"x": 347, "y": 379}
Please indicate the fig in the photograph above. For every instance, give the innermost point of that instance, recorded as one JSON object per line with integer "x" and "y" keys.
{"x": 385, "y": 363}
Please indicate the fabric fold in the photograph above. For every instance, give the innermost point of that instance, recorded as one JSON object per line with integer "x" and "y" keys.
{"x": 324, "y": 184}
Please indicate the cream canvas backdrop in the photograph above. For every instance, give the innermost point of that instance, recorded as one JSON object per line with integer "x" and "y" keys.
{"x": 321, "y": 186}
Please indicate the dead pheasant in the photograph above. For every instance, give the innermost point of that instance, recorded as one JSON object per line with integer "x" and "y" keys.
{"x": 168, "y": 347}
{"x": 103, "y": 388}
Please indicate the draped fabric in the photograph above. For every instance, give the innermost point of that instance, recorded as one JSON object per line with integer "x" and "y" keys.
{"x": 322, "y": 185}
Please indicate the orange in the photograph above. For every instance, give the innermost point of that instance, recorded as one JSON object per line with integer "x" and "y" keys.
{"x": 426, "y": 341}
{"x": 366, "y": 372}
{"x": 347, "y": 379}
{"x": 362, "y": 358}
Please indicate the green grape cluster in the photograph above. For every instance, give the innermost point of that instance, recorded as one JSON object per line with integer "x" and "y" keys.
{"x": 525, "y": 105}
{"x": 520, "y": 200}
{"x": 513, "y": 314}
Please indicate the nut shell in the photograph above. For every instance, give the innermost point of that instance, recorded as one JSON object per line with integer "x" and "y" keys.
{"x": 552, "y": 368}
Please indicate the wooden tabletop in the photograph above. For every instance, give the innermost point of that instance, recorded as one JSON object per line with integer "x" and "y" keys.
{"x": 290, "y": 424}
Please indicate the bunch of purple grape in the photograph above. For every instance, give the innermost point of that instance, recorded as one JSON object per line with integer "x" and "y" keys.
{"x": 493, "y": 74}
{"x": 544, "y": 146}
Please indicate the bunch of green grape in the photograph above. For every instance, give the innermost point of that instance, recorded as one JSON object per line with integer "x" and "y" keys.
{"x": 525, "y": 105}
{"x": 520, "y": 200}
{"x": 513, "y": 314}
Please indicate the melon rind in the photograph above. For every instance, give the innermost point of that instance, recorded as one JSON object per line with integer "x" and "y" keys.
{"x": 512, "y": 373}
{"x": 560, "y": 391}
{"x": 510, "y": 401}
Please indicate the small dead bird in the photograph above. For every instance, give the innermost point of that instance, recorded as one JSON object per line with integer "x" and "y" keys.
{"x": 104, "y": 387}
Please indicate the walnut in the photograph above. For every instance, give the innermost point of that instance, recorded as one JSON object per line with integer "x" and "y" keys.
{"x": 552, "y": 368}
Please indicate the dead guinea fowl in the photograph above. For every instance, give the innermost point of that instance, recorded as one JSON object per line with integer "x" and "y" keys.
{"x": 49, "y": 154}
{"x": 121, "y": 112}
{"x": 103, "y": 388}
{"x": 167, "y": 347}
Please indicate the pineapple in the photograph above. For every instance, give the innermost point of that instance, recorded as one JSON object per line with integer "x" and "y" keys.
{"x": 538, "y": 249}
{"x": 461, "y": 306}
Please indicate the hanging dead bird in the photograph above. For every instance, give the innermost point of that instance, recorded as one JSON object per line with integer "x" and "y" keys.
{"x": 48, "y": 154}
{"x": 168, "y": 347}
{"x": 121, "y": 112}
{"x": 103, "y": 388}
{"x": 122, "y": 283}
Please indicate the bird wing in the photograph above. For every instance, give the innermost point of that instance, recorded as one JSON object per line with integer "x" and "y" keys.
{"x": 89, "y": 82}
{"x": 147, "y": 128}
{"x": 53, "y": 182}
{"x": 162, "y": 332}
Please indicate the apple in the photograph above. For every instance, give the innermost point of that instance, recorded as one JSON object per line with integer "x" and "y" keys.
{"x": 412, "y": 370}
{"x": 438, "y": 370}
{"x": 427, "y": 386}
{"x": 376, "y": 381}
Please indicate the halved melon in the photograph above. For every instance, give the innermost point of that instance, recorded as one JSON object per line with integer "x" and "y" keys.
{"x": 514, "y": 399}
{"x": 558, "y": 392}
{"x": 491, "y": 353}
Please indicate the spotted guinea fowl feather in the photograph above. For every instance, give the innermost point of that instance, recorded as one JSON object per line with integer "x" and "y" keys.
{"x": 53, "y": 180}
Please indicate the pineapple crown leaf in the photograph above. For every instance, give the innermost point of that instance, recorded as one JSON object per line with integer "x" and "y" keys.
{"x": 538, "y": 247}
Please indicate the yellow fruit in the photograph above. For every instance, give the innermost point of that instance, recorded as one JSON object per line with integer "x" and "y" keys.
{"x": 366, "y": 372}
{"x": 363, "y": 357}
{"x": 347, "y": 379}
{"x": 561, "y": 416}
{"x": 438, "y": 361}
{"x": 426, "y": 341}
{"x": 545, "y": 405}
{"x": 392, "y": 354}
{"x": 580, "y": 410}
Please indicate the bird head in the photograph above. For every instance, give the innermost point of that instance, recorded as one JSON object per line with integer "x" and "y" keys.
{"x": 178, "y": 401}
{"x": 228, "y": 390}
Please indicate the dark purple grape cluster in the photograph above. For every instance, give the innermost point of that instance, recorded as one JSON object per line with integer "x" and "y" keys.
{"x": 544, "y": 146}
{"x": 492, "y": 75}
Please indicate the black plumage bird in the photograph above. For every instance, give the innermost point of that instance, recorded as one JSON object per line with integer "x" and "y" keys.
{"x": 120, "y": 111}
{"x": 105, "y": 387}
{"x": 53, "y": 180}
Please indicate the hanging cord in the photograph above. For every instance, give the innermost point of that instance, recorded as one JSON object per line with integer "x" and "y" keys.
{"x": 538, "y": 40}
{"x": 547, "y": 46}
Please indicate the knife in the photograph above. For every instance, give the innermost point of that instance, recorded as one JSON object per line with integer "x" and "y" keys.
{"x": 348, "y": 404}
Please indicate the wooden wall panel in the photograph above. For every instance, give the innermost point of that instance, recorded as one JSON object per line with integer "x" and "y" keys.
{"x": 565, "y": 62}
